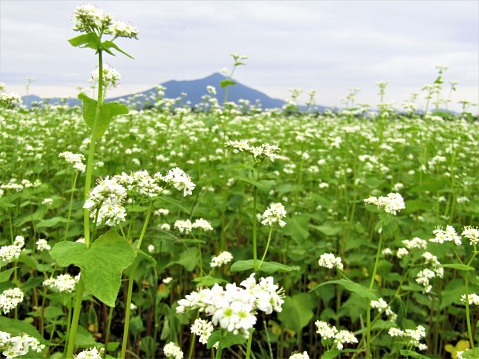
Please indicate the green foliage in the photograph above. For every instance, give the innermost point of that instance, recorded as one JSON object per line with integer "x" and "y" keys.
{"x": 102, "y": 264}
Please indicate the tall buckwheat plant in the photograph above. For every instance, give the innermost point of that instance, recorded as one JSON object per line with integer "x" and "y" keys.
{"x": 101, "y": 259}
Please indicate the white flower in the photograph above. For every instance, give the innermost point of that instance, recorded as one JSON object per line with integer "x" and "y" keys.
{"x": 473, "y": 298}
{"x": 391, "y": 204}
{"x": 274, "y": 214}
{"x": 18, "y": 345}
{"x": 62, "y": 283}
{"x": 402, "y": 252}
{"x": 171, "y": 350}
{"x": 202, "y": 328}
{"x": 10, "y": 298}
{"x": 183, "y": 225}
{"x": 42, "y": 245}
{"x": 110, "y": 76}
{"x": 151, "y": 248}
{"x": 325, "y": 330}
{"x": 415, "y": 243}
{"x": 74, "y": 158}
{"x": 92, "y": 353}
{"x": 303, "y": 355}
{"x": 221, "y": 259}
{"x": 329, "y": 260}
{"x": 447, "y": 235}
{"x": 472, "y": 234}
{"x": 202, "y": 224}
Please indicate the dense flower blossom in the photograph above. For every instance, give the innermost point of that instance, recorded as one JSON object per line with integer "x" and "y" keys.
{"x": 415, "y": 243}
{"x": 473, "y": 298}
{"x": 202, "y": 224}
{"x": 12, "y": 252}
{"x": 303, "y": 355}
{"x": 42, "y": 245}
{"x": 74, "y": 158}
{"x": 274, "y": 214}
{"x": 329, "y": 260}
{"x": 172, "y": 351}
{"x": 203, "y": 329}
{"x": 410, "y": 336}
{"x": 62, "y": 283}
{"x": 233, "y": 308}
{"x": 339, "y": 337}
{"x": 106, "y": 202}
{"x": 260, "y": 152}
{"x": 92, "y": 353}
{"x": 390, "y": 204}
{"x": 15, "y": 346}
{"x": 447, "y": 235}
{"x": 221, "y": 259}
{"x": 179, "y": 180}
{"x": 382, "y": 306}
{"x": 110, "y": 76}
{"x": 183, "y": 225}
{"x": 472, "y": 234}
{"x": 10, "y": 298}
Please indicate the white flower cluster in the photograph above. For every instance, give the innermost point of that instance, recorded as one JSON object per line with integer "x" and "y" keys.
{"x": 221, "y": 259}
{"x": 303, "y": 355}
{"x": 415, "y": 243}
{"x": 92, "y": 353}
{"x": 62, "y": 283}
{"x": 411, "y": 336}
{"x": 172, "y": 351}
{"x": 10, "y": 253}
{"x": 180, "y": 180}
{"x": 233, "y": 308}
{"x": 75, "y": 158}
{"x": 10, "y": 99}
{"x": 10, "y": 298}
{"x": 263, "y": 151}
{"x": 472, "y": 234}
{"x": 447, "y": 235}
{"x": 186, "y": 226}
{"x": 91, "y": 18}
{"x": 274, "y": 214}
{"x": 106, "y": 202}
{"x": 110, "y": 76}
{"x": 382, "y": 306}
{"x": 473, "y": 299}
{"x": 391, "y": 204}
{"x": 329, "y": 260}
{"x": 42, "y": 245}
{"x": 141, "y": 183}
{"x": 203, "y": 329}
{"x": 16, "y": 346}
{"x": 340, "y": 337}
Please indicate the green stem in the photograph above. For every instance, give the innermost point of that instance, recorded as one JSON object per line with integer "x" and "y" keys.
{"x": 76, "y": 317}
{"x": 371, "y": 284}
{"x": 107, "y": 339}
{"x": 250, "y": 340}
{"x": 131, "y": 279}
{"x": 255, "y": 250}
{"x": 468, "y": 316}
{"x": 86, "y": 213}
{"x": 71, "y": 204}
{"x": 267, "y": 246}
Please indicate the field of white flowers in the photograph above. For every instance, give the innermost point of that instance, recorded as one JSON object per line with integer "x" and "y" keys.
{"x": 232, "y": 231}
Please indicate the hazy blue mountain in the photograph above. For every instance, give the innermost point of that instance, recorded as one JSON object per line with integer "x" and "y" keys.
{"x": 195, "y": 90}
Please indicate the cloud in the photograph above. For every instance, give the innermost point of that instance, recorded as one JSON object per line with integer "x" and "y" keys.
{"x": 328, "y": 46}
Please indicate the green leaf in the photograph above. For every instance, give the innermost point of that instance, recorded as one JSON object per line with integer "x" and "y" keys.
{"x": 17, "y": 327}
{"x": 102, "y": 264}
{"x": 228, "y": 82}
{"x": 90, "y": 40}
{"x": 359, "y": 289}
{"x": 107, "y": 45}
{"x": 107, "y": 111}
{"x": 296, "y": 311}
{"x": 331, "y": 354}
{"x": 297, "y": 228}
{"x": 458, "y": 266}
{"x": 5, "y": 275}
{"x": 267, "y": 267}
{"x": 410, "y": 353}
{"x": 149, "y": 258}
{"x": 263, "y": 185}
{"x": 328, "y": 229}
{"x": 225, "y": 341}
{"x": 188, "y": 259}
{"x": 208, "y": 281}
{"x": 173, "y": 202}
{"x": 84, "y": 338}
{"x": 52, "y": 222}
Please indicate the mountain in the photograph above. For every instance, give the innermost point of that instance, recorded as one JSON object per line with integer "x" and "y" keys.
{"x": 194, "y": 90}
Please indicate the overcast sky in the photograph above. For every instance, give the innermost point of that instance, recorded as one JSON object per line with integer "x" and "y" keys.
{"x": 327, "y": 46}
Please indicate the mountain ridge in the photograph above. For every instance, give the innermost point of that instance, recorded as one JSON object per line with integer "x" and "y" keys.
{"x": 194, "y": 90}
